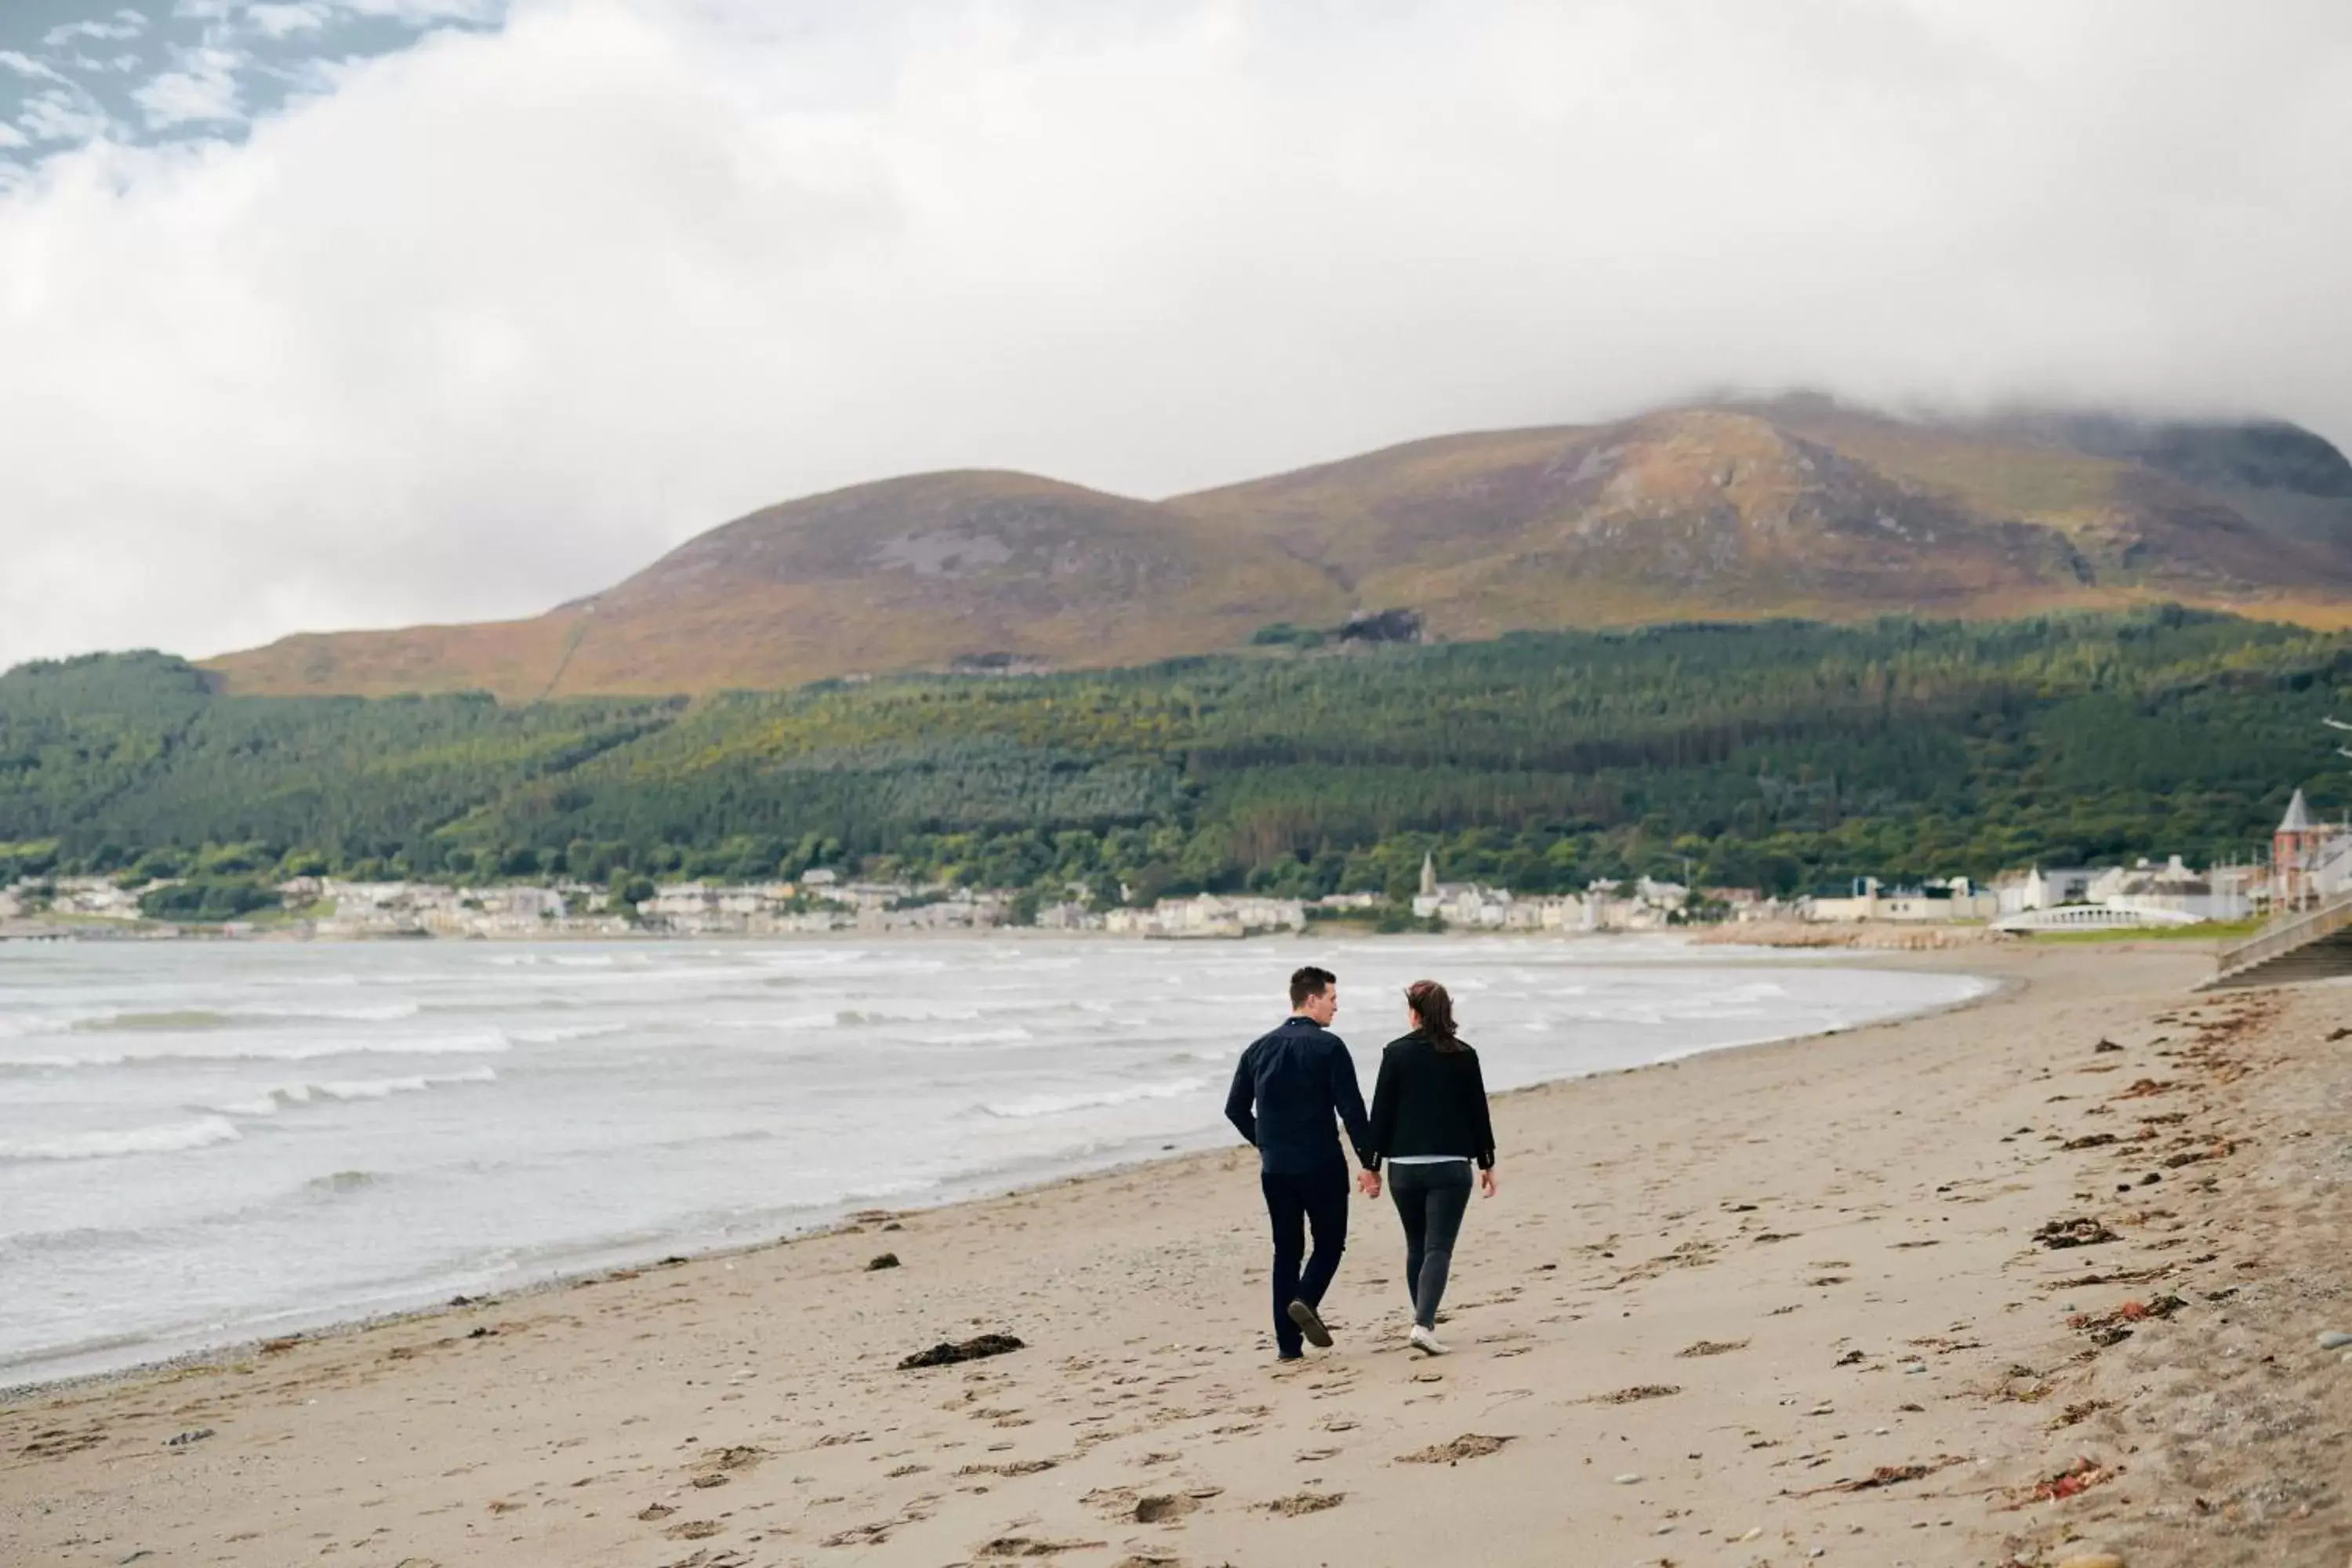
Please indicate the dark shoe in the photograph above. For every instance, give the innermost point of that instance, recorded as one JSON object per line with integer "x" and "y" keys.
{"x": 1311, "y": 1325}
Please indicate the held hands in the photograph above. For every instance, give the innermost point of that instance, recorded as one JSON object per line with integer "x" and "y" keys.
{"x": 1486, "y": 1183}
{"x": 1369, "y": 1182}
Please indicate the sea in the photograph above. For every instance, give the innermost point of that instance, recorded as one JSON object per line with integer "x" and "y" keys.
{"x": 204, "y": 1143}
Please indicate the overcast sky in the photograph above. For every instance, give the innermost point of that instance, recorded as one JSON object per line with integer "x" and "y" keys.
{"x": 360, "y": 312}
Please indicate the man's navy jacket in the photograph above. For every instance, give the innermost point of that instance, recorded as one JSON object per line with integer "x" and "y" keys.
{"x": 1302, "y": 1082}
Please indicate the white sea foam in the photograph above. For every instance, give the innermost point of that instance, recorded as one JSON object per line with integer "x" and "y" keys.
{"x": 560, "y": 1033}
{"x": 246, "y": 1048}
{"x": 168, "y": 1138}
{"x": 279, "y": 1099}
{"x": 1096, "y": 1099}
{"x": 382, "y": 1087}
{"x": 983, "y": 1037}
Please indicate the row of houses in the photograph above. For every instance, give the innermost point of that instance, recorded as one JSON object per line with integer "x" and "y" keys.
{"x": 2309, "y": 861}
{"x": 817, "y": 904}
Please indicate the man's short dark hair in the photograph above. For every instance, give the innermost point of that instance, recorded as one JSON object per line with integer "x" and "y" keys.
{"x": 1309, "y": 981}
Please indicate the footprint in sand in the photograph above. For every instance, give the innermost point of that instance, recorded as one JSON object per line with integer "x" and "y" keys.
{"x": 1469, "y": 1446}
{"x": 1635, "y": 1394}
{"x": 1303, "y": 1502}
{"x": 1018, "y": 1546}
{"x": 1126, "y": 1504}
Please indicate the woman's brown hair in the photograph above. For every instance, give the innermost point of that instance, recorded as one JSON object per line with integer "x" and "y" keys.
{"x": 1434, "y": 1007}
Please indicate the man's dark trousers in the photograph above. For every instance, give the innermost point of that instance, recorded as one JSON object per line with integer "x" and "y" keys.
{"x": 1298, "y": 1201}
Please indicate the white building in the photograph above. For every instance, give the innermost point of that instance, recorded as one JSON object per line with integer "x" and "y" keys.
{"x": 1933, "y": 903}
{"x": 1069, "y": 914}
{"x": 94, "y": 896}
{"x": 2017, "y": 892}
{"x": 1208, "y": 915}
{"x": 2172, "y": 888}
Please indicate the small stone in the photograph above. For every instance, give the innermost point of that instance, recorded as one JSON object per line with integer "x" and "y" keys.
{"x": 1750, "y": 1533}
{"x": 2334, "y": 1340}
{"x": 886, "y": 1260}
{"x": 1629, "y": 1477}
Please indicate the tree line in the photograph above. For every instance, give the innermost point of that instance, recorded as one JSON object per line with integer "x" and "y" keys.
{"x": 1778, "y": 756}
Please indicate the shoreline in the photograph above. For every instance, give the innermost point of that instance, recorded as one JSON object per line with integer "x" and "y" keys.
{"x": 627, "y": 1262}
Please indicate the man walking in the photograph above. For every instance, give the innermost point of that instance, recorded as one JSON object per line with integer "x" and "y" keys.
{"x": 1288, "y": 1090}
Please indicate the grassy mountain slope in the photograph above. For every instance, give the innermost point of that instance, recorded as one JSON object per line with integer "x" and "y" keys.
{"x": 1798, "y": 507}
{"x": 910, "y": 573}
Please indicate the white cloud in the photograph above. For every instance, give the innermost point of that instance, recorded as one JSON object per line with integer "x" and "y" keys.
{"x": 126, "y": 24}
{"x": 65, "y": 115}
{"x": 25, "y": 66}
{"x": 10, "y": 137}
{"x": 280, "y": 21}
{"x": 203, "y": 89}
{"x": 495, "y": 320}
{"x": 423, "y": 13}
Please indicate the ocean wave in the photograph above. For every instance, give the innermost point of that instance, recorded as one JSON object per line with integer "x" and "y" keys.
{"x": 558, "y": 1034}
{"x": 1011, "y": 1037}
{"x": 175, "y": 1020}
{"x": 75, "y": 1241}
{"x": 169, "y": 1138}
{"x": 286, "y": 1095}
{"x": 1096, "y": 1099}
{"x": 200, "y": 1020}
{"x": 859, "y": 1019}
{"x": 384, "y": 1013}
{"x": 239, "y": 1051}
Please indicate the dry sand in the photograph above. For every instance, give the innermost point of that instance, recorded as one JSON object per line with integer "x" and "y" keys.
{"x": 1774, "y": 1305}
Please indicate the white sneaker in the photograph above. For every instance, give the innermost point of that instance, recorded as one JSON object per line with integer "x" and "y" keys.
{"x": 1424, "y": 1341}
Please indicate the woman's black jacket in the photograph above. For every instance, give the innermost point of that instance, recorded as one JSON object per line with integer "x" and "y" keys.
{"x": 1431, "y": 1101}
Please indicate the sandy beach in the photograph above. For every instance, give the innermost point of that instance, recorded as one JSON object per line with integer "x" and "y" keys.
{"x": 1777, "y": 1305}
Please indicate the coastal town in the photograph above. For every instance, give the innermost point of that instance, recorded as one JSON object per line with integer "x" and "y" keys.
{"x": 2307, "y": 860}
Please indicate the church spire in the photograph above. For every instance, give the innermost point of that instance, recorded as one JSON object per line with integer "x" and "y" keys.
{"x": 1429, "y": 873}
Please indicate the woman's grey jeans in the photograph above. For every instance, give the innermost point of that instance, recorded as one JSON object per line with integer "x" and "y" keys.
{"x": 1430, "y": 1199}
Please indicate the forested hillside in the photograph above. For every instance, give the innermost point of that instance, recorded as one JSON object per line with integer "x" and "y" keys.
{"x": 1779, "y": 755}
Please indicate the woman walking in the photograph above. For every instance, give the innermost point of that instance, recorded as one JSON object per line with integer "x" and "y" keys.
{"x": 1429, "y": 1121}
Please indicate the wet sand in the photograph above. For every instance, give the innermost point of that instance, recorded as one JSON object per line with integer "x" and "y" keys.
{"x": 1781, "y": 1304}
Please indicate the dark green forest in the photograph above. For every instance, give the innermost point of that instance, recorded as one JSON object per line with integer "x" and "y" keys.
{"x": 1779, "y": 756}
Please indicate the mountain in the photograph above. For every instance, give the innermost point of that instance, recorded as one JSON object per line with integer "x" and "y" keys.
{"x": 1724, "y": 511}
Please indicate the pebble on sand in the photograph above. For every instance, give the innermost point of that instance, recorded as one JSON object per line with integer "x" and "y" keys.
{"x": 2334, "y": 1340}
{"x": 2093, "y": 1560}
